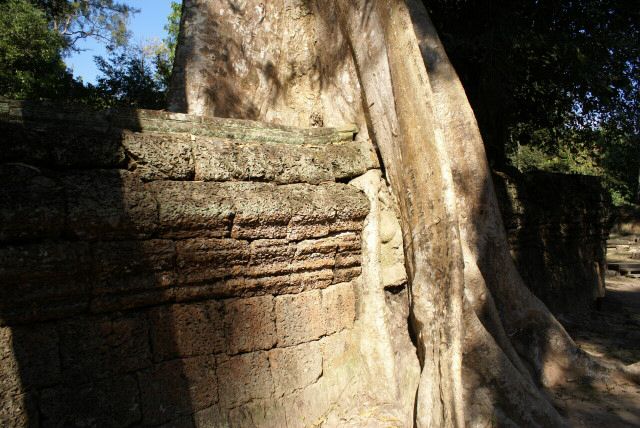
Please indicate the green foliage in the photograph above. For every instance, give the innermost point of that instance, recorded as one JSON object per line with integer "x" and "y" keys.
{"x": 35, "y": 34}
{"x": 555, "y": 80}
{"x": 129, "y": 79}
{"x": 74, "y": 20}
{"x": 31, "y": 64}
{"x": 138, "y": 76}
{"x": 173, "y": 28}
{"x": 602, "y": 152}
{"x": 165, "y": 54}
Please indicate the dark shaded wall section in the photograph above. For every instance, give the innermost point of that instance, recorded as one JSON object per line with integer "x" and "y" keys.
{"x": 557, "y": 226}
{"x": 166, "y": 270}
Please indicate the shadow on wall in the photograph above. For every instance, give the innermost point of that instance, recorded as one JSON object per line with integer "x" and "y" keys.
{"x": 79, "y": 250}
{"x": 540, "y": 213}
{"x": 132, "y": 294}
{"x": 557, "y": 226}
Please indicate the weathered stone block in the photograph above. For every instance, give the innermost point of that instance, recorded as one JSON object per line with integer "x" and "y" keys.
{"x": 353, "y": 159}
{"x": 40, "y": 271}
{"x": 351, "y": 205}
{"x": 299, "y": 318}
{"x": 339, "y": 302}
{"x": 156, "y": 156}
{"x": 556, "y": 226}
{"x": 313, "y": 212}
{"x": 109, "y": 205}
{"x": 348, "y": 259}
{"x": 25, "y": 312}
{"x": 250, "y": 324}
{"x": 283, "y": 284}
{"x": 316, "y": 248}
{"x": 59, "y": 146}
{"x": 29, "y": 357}
{"x": 177, "y": 387}
{"x": 243, "y": 378}
{"x": 191, "y": 209}
{"x": 109, "y": 403}
{"x": 335, "y": 349}
{"x": 268, "y": 413}
{"x": 18, "y": 410}
{"x": 315, "y": 254}
{"x": 10, "y": 382}
{"x": 216, "y": 289}
{"x": 39, "y": 281}
{"x": 346, "y": 274}
{"x": 270, "y": 257}
{"x": 303, "y": 281}
{"x": 187, "y": 330}
{"x": 134, "y": 265}
{"x": 224, "y": 160}
{"x": 263, "y": 210}
{"x": 201, "y": 260}
{"x": 126, "y": 301}
{"x": 103, "y": 347}
{"x": 295, "y": 367}
{"x": 266, "y": 284}
{"x": 31, "y": 204}
{"x": 332, "y": 207}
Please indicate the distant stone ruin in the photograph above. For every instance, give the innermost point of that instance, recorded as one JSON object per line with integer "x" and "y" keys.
{"x": 558, "y": 227}
{"x": 160, "y": 269}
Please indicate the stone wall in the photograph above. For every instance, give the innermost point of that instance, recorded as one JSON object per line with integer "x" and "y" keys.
{"x": 165, "y": 270}
{"x": 557, "y": 226}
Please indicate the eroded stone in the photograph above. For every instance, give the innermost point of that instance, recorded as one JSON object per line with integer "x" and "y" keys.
{"x": 250, "y": 324}
{"x": 186, "y": 330}
{"x": 295, "y": 367}
{"x": 299, "y": 318}
{"x": 243, "y": 378}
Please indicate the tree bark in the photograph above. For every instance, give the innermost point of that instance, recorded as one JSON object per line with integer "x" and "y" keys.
{"x": 486, "y": 345}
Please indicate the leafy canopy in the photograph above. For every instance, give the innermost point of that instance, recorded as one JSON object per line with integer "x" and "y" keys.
{"x": 74, "y": 20}
{"x": 558, "y": 78}
{"x": 31, "y": 63}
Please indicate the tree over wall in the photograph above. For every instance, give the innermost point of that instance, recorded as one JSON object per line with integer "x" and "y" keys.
{"x": 487, "y": 346}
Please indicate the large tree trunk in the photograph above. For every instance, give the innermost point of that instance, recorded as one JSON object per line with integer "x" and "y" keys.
{"x": 487, "y": 346}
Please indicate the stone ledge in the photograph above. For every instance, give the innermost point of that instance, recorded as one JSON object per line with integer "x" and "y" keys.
{"x": 42, "y": 112}
{"x": 117, "y": 205}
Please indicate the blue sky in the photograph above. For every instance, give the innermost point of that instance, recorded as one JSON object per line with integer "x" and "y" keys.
{"x": 146, "y": 24}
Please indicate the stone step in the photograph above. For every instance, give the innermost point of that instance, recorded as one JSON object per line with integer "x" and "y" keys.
{"x": 159, "y": 145}
{"x": 619, "y": 248}
{"x": 616, "y": 242}
{"x": 37, "y": 113}
{"x": 623, "y": 265}
{"x": 625, "y": 268}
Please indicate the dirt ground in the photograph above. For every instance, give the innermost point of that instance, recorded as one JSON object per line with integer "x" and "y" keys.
{"x": 611, "y": 332}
